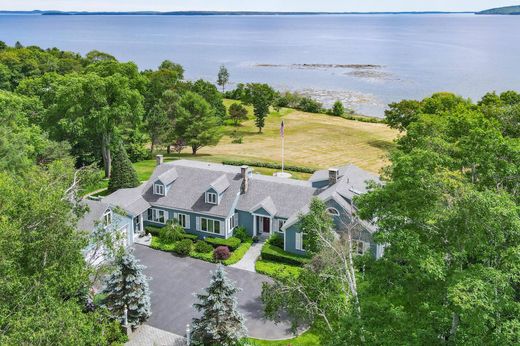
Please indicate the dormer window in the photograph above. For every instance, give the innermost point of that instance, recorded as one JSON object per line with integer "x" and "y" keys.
{"x": 211, "y": 198}
{"x": 107, "y": 218}
{"x": 333, "y": 211}
{"x": 158, "y": 189}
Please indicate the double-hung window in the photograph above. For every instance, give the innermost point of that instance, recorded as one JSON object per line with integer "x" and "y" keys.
{"x": 209, "y": 225}
{"x": 211, "y": 197}
{"x": 299, "y": 241}
{"x": 280, "y": 225}
{"x": 183, "y": 220}
{"x": 158, "y": 189}
{"x": 156, "y": 215}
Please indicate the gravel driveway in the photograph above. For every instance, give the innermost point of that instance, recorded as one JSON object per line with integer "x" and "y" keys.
{"x": 175, "y": 279}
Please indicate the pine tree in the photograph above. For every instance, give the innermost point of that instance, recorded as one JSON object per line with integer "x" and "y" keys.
{"x": 128, "y": 286}
{"x": 221, "y": 323}
{"x": 123, "y": 173}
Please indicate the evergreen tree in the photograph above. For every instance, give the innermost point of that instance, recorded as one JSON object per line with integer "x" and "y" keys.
{"x": 123, "y": 173}
{"x": 221, "y": 323}
{"x": 128, "y": 286}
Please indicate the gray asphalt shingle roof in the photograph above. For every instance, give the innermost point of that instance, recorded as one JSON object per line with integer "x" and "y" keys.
{"x": 168, "y": 177}
{"x": 220, "y": 184}
{"x": 93, "y": 215}
{"x": 194, "y": 179}
{"x": 130, "y": 200}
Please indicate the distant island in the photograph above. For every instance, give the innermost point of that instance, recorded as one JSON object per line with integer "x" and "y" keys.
{"x": 508, "y": 10}
{"x": 204, "y": 13}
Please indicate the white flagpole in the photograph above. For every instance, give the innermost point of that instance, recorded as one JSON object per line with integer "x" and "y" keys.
{"x": 283, "y": 140}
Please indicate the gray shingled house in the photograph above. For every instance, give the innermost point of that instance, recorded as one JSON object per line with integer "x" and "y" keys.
{"x": 210, "y": 200}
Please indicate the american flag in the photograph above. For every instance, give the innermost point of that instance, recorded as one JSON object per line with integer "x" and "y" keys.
{"x": 282, "y": 129}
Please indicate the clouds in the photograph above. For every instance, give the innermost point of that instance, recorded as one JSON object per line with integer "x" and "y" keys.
{"x": 256, "y": 5}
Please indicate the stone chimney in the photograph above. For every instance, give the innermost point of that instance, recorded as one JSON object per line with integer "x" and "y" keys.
{"x": 244, "y": 171}
{"x": 159, "y": 159}
{"x": 333, "y": 176}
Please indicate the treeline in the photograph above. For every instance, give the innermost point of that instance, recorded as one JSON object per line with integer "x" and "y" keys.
{"x": 300, "y": 102}
{"x": 94, "y": 102}
{"x": 449, "y": 216}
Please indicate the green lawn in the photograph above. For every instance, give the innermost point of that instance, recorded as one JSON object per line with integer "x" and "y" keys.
{"x": 309, "y": 338}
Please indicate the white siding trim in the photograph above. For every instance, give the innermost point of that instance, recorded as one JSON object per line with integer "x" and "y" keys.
{"x": 299, "y": 241}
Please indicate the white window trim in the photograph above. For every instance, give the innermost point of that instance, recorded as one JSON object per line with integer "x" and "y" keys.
{"x": 299, "y": 241}
{"x": 364, "y": 246}
{"x": 177, "y": 216}
{"x": 107, "y": 213}
{"x": 208, "y": 199}
{"x": 158, "y": 189}
{"x": 155, "y": 216}
{"x": 333, "y": 211}
{"x": 279, "y": 225}
{"x": 199, "y": 225}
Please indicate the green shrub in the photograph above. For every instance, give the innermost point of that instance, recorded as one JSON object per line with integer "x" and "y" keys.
{"x": 232, "y": 243}
{"x": 203, "y": 247}
{"x": 183, "y": 247}
{"x": 241, "y": 233}
{"x": 153, "y": 230}
{"x": 277, "y": 270}
{"x": 276, "y": 240}
{"x": 171, "y": 233}
{"x": 157, "y": 244}
{"x": 238, "y": 253}
{"x": 276, "y": 254}
{"x": 208, "y": 256}
{"x": 192, "y": 237}
{"x": 272, "y": 165}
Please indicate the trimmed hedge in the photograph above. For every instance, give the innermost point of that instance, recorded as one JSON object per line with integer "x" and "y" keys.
{"x": 183, "y": 247}
{"x": 272, "y": 165}
{"x": 276, "y": 254}
{"x": 277, "y": 270}
{"x": 238, "y": 253}
{"x": 153, "y": 230}
{"x": 203, "y": 247}
{"x": 233, "y": 243}
{"x": 156, "y": 231}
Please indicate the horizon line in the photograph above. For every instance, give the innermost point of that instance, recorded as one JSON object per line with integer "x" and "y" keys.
{"x": 209, "y": 12}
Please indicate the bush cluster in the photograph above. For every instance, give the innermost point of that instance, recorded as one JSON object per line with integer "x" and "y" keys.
{"x": 276, "y": 254}
{"x": 232, "y": 243}
{"x": 221, "y": 253}
{"x": 276, "y": 240}
{"x": 272, "y": 165}
{"x": 241, "y": 233}
{"x": 183, "y": 247}
{"x": 171, "y": 233}
{"x": 203, "y": 247}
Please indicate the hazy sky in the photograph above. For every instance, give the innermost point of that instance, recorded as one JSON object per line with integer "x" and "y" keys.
{"x": 257, "y": 5}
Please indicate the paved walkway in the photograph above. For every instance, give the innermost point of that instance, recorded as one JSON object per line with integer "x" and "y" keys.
{"x": 175, "y": 279}
{"x": 248, "y": 261}
{"x": 149, "y": 336}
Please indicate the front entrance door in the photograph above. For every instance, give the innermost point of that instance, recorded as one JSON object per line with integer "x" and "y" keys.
{"x": 264, "y": 224}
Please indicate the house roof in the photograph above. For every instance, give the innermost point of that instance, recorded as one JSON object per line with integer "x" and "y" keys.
{"x": 354, "y": 174}
{"x": 267, "y": 204}
{"x": 287, "y": 196}
{"x": 194, "y": 178}
{"x": 131, "y": 200}
{"x": 168, "y": 177}
{"x": 220, "y": 184}
{"x": 94, "y": 213}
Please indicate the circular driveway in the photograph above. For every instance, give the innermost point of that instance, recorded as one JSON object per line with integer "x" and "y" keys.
{"x": 176, "y": 279}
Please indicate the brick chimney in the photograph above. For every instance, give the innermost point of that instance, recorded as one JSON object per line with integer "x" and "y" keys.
{"x": 159, "y": 159}
{"x": 244, "y": 172}
{"x": 333, "y": 176}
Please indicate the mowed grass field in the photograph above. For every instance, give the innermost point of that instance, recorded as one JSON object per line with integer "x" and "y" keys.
{"x": 312, "y": 140}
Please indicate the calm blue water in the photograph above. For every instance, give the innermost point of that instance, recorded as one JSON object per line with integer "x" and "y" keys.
{"x": 419, "y": 54}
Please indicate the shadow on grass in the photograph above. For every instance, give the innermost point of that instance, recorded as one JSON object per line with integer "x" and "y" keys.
{"x": 380, "y": 144}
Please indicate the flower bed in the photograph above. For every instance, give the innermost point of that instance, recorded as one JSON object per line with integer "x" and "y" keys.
{"x": 236, "y": 255}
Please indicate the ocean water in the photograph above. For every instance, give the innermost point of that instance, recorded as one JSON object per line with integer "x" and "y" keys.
{"x": 367, "y": 61}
